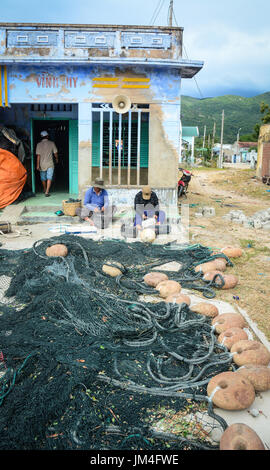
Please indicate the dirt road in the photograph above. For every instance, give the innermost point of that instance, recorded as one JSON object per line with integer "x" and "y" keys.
{"x": 228, "y": 190}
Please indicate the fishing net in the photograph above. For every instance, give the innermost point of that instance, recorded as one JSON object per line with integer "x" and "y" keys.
{"x": 87, "y": 362}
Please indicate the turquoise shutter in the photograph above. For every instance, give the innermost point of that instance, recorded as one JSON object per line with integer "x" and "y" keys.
{"x": 144, "y": 144}
{"x": 96, "y": 143}
{"x": 73, "y": 156}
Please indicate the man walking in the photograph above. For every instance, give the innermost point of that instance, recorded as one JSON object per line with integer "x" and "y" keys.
{"x": 46, "y": 150}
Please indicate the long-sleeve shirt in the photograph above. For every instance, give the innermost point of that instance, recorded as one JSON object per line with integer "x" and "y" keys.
{"x": 93, "y": 200}
{"x": 141, "y": 205}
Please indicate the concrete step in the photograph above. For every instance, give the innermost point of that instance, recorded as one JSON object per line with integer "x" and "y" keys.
{"x": 11, "y": 214}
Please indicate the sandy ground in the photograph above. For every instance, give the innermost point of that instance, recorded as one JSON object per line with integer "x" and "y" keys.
{"x": 253, "y": 268}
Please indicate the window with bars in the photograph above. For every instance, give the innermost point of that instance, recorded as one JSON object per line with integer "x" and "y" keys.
{"x": 134, "y": 133}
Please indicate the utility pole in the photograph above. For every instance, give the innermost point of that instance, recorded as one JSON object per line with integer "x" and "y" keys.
{"x": 204, "y": 132}
{"x": 213, "y": 142}
{"x": 220, "y": 165}
{"x": 170, "y": 12}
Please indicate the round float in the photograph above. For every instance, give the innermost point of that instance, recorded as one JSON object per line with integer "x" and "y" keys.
{"x": 178, "y": 299}
{"x": 225, "y": 321}
{"x": 167, "y": 288}
{"x": 231, "y": 336}
{"x": 205, "y": 308}
{"x": 232, "y": 251}
{"x": 229, "y": 391}
{"x": 250, "y": 352}
{"x": 230, "y": 280}
{"x": 217, "y": 264}
{"x": 258, "y": 375}
{"x": 239, "y": 436}
{"x": 154, "y": 278}
{"x": 57, "y": 250}
{"x": 113, "y": 268}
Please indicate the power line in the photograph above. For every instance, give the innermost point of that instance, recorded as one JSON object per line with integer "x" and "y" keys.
{"x": 194, "y": 78}
{"x": 157, "y": 13}
{"x": 151, "y": 21}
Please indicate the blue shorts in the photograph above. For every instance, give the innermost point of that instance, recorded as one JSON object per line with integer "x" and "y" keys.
{"x": 47, "y": 174}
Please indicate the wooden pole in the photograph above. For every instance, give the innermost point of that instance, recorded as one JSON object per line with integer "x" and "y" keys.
{"x": 204, "y": 132}
{"x": 221, "y": 142}
{"x": 170, "y": 12}
{"x": 213, "y": 141}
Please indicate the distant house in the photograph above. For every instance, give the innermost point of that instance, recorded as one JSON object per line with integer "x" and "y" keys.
{"x": 188, "y": 135}
{"x": 243, "y": 150}
{"x": 247, "y": 145}
{"x": 227, "y": 150}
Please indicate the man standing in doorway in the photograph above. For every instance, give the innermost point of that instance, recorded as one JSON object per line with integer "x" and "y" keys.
{"x": 45, "y": 151}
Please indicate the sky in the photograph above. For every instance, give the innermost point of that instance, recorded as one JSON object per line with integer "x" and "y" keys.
{"x": 232, "y": 37}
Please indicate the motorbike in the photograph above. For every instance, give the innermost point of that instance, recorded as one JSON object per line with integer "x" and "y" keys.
{"x": 184, "y": 182}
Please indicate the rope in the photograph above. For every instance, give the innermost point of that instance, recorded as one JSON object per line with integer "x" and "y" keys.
{"x": 13, "y": 380}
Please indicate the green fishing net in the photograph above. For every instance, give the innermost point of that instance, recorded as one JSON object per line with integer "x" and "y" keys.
{"x": 88, "y": 362}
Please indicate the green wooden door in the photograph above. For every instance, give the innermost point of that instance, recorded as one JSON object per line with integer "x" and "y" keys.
{"x": 73, "y": 156}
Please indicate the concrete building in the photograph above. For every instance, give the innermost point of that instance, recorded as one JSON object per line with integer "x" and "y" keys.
{"x": 188, "y": 136}
{"x": 263, "y": 159}
{"x": 66, "y": 78}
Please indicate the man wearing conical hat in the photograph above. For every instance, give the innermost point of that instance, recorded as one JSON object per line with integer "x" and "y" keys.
{"x": 96, "y": 209}
{"x": 146, "y": 205}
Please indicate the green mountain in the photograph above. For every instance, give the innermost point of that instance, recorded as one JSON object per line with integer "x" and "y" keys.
{"x": 239, "y": 112}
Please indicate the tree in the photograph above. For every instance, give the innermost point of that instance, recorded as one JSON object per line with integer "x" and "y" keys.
{"x": 256, "y": 131}
{"x": 265, "y": 110}
{"x": 251, "y": 137}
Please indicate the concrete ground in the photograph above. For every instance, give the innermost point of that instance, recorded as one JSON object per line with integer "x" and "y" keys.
{"x": 23, "y": 235}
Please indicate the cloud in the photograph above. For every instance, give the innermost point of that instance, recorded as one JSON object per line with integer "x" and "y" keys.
{"x": 232, "y": 59}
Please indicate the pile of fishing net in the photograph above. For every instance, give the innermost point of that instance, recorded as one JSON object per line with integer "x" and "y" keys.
{"x": 87, "y": 364}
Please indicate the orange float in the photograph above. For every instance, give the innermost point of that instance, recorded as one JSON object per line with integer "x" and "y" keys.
{"x": 250, "y": 352}
{"x": 57, "y": 250}
{"x": 230, "y": 280}
{"x": 205, "y": 308}
{"x": 229, "y": 391}
{"x": 217, "y": 264}
{"x": 239, "y": 436}
{"x": 231, "y": 336}
{"x": 257, "y": 374}
{"x": 167, "y": 288}
{"x": 154, "y": 278}
{"x": 232, "y": 251}
{"x": 228, "y": 320}
{"x": 178, "y": 299}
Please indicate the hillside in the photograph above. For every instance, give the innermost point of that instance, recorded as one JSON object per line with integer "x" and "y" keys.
{"x": 239, "y": 112}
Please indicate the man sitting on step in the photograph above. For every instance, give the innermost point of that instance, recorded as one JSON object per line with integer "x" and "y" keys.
{"x": 146, "y": 205}
{"x": 96, "y": 209}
